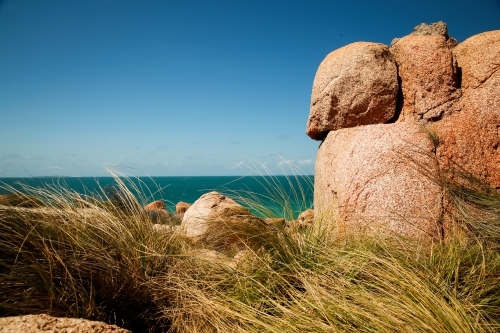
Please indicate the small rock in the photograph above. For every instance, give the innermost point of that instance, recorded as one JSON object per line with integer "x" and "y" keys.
{"x": 181, "y": 207}
{"x": 306, "y": 218}
{"x": 158, "y": 204}
{"x": 47, "y": 324}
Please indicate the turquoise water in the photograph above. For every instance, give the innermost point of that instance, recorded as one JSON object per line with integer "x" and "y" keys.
{"x": 273, "y": 192}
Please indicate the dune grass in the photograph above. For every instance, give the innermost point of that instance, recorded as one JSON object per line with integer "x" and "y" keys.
{"x": 278, "y": 200}
{"x": 77, "y": 256}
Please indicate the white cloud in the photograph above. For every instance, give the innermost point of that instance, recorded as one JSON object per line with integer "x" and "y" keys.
{"x": 51, "y": 167}
{"x": 285, "y": 162}
{"x": 238, "y": 165}
{"x": 306, "y": 162}
{"x": 165, "y": 164}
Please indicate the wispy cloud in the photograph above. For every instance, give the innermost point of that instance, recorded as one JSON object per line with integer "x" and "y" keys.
{"x": 16, "y": 156}
{"x": 51, "y": 167}
{"x": 238, "y": 165}
{"x": 165, "y": 164}
{"x": 163, "y": 147}
{"x": 306, "y": 162}
{"x": 235, "y": 142}
{"x": 285, "y": 162}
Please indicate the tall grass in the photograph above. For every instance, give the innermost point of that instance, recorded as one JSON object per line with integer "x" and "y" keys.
{"x": 100, "y": 259}
{"x": 279, "y": 199}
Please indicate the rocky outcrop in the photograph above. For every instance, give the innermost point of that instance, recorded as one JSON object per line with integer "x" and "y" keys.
{"x": 181, "y": 207}
{"x": 371, "y": 178}
{"x": 355, "y": 85}
{"x": 45, "y": 323}
{"x": 211, "y": 210}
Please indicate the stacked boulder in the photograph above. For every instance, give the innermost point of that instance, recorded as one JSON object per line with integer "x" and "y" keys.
{"x": 374, "y": 108}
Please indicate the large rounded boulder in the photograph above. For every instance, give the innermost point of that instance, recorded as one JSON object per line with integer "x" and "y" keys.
{"x": 354, "y": 85}
{"x": 369, "y": 179}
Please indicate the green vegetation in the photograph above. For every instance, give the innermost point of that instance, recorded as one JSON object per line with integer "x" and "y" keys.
{"x": 101, "y": 259}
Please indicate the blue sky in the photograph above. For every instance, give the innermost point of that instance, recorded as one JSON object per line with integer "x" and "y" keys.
{"x": 167, "y": 88}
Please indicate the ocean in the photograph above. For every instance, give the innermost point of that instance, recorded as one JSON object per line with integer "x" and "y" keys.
{"x": 277, "y": 194}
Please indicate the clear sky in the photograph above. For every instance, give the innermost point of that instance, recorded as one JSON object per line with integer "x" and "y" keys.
{"x": 182, "y": 87}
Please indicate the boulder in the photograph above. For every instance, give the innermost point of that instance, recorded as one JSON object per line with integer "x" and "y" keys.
{"x": 210, "y": 211}
{"x": 306, "y": 218}
{"x": 181, "y": 207}
{"x": 478, "y": 58}
{"x": 369, "y": 179}
{"x": 158, "y": 204}
{"x": 471, "y": 138}
{"x": 430, "y": 81}
{"x": 45, "y": 323}
{"x": 354, "y": 85}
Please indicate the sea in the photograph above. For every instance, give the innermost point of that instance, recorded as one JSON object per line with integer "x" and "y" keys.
{"x": 273, "y": 195}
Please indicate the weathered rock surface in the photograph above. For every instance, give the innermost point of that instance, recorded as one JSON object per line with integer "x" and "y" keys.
{"x": 479, "y": 58}
{"x": 45, "y": 323}
{"x": 354, "y": 85}
{"x": 158, "y": 204}
{"x": 429, "y": 80}
{"x": 210, "y": 211}
{"x": 471, "y": 138}
{"x": 181, "y": 207}
{"x": 367, "y": 178}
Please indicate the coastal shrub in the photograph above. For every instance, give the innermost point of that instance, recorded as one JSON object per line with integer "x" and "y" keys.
{"x": 78, "y": 257}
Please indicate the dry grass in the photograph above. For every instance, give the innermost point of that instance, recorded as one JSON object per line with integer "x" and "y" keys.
{"x": 77, "y": 256}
